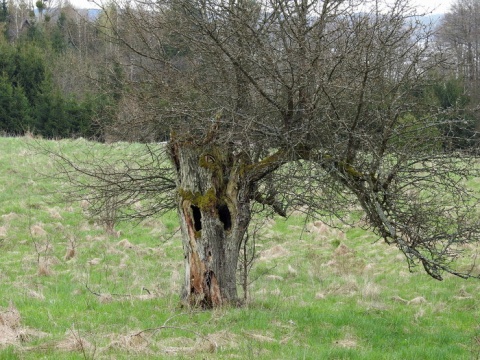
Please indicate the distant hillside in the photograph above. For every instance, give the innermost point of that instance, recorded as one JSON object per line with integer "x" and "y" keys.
{"x": 433, "y": 19}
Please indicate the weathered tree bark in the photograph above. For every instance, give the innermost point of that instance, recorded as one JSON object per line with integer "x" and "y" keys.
{"x": 214, "y": 209}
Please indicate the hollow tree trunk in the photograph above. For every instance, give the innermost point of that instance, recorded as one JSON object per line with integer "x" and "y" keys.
{"x": 214, "y": 209}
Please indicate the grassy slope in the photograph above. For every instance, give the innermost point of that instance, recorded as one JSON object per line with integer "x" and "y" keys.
{"x": 317, "y": 294}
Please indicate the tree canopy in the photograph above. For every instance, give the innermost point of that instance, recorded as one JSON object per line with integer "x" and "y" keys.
{"x": 325, "y": 105}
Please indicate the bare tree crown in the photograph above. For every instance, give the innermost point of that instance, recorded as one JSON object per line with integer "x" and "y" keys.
{"x": 289, "y": 103}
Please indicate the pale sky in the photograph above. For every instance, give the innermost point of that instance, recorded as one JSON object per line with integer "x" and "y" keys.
{"x": 83, "y": 4}
{"x": 436, "y": 6}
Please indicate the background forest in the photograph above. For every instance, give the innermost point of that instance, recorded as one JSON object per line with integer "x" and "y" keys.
{"x": 62, "y": 74}
{"x": 58, "y": 75}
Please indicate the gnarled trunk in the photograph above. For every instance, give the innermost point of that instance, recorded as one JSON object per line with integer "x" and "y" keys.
{"x": 214, "y": 210}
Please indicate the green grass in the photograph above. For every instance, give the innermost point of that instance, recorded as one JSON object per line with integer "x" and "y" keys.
{"x": 315, "y": 294}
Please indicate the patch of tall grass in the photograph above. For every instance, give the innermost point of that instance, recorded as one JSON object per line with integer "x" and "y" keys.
{"x": 315, "y": 292}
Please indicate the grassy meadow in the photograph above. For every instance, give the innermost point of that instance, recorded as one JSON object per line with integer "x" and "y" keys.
{"x": 71, "y": 290}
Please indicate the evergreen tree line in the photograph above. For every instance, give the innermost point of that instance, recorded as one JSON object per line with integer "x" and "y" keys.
{"x": 30, "y": 101}
{"x": 40, "y": 68}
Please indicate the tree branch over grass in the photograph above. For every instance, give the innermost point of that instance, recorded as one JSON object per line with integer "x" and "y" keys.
{"x": 137, "y": 182}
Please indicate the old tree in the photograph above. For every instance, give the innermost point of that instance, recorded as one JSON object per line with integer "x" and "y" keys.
{"x": 323, "y": 105}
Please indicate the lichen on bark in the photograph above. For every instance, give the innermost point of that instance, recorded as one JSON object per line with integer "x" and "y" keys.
{"x": 214, "y": 208}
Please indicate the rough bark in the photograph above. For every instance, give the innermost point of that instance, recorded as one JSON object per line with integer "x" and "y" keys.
{"x": 213, "y": 198}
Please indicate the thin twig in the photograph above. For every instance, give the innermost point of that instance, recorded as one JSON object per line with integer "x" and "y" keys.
{"x": 165, "y": 326}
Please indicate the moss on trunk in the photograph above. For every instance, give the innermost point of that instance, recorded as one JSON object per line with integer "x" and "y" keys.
{"x": 214, "y": 208}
